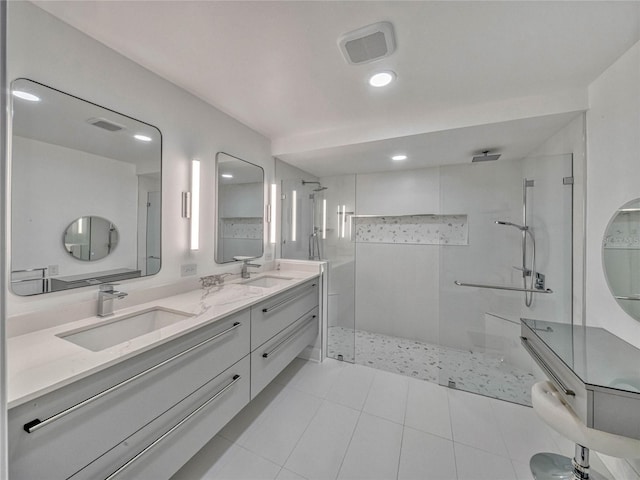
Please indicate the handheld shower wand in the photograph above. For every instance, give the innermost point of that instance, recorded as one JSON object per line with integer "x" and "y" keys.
{"x": 526, "y": 271}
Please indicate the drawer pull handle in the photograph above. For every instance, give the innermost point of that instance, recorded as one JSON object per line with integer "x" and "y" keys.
{"x": 540, "y": 361}
{"x": 236, "y": 378}
{"x": 290, "y": 298}
{"x": 37, "y": 424}
{"x": 282, "y": 343}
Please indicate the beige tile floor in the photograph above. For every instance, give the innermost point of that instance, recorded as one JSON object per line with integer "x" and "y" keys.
{"x": 337, "y": 420}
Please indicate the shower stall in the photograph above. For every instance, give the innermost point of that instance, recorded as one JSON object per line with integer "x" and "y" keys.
{"x": 430, "y": 270}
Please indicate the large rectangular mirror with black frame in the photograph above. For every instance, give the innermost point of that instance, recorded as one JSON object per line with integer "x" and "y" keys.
{"x": 85, "y": 192}
{"x": 240, "y": 209}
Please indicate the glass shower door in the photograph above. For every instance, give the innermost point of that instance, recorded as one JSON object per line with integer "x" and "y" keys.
{"x": 336, "y": 213}
{"x": 518, "y": 237}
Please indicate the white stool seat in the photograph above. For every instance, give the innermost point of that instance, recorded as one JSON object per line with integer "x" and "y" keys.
{"x": 549, "y": 405}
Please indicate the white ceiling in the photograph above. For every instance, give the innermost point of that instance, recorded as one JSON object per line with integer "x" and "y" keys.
{"x": 276, "y": 66}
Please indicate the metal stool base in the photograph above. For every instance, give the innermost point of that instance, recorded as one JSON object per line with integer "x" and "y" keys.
{"x": 551, "y": 466}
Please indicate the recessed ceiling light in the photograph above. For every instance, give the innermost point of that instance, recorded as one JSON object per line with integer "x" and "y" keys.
{"x": 142, "y": 138}
{"x": 397, "y": 158}
{"x": 26, "y": 96}
{"x": 382, "y": 79}
{"x": 226, "y": 175}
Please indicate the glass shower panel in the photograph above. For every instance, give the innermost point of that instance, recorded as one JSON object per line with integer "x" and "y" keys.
{"x": 508, "y": 245}
{"x": 335, "y": 219}
{"x": 296, "y": 219}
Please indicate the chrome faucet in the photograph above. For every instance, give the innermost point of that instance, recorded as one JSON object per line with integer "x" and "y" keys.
{"x": 244, "y": 273}
{"x": 105, "y": 299}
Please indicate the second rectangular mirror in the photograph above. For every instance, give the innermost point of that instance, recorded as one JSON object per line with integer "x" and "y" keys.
{"x": 240, "y": 209}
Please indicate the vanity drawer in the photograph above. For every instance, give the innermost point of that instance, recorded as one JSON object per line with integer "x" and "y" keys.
{"x": 270, "y": 317}
{"x": 273, "y": 356}
{"x": 59, "y": 448}
{"x": 158, "y": 450}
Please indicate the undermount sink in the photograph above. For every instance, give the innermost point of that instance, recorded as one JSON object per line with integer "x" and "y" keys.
{"x": 121, "y": 329}
{"x": 266, "y": 281}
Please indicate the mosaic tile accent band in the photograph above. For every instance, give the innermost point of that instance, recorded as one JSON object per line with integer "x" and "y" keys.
{"x": 242, "y": 227}
{"x": 413, "y": 229}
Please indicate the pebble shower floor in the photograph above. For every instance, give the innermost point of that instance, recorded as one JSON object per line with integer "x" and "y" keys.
{"x": 474, "y": 372}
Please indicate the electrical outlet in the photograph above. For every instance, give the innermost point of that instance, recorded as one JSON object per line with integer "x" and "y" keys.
{"x": 52, "y": 269}
{"x": 188, "y": 269}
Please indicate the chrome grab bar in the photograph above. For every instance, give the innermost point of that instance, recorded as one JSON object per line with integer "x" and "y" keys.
{"x": 37, "y": 424}
{"x": 289, "y": 337}
{"x": 501, "y": 287}
{"x": 536, "y": 356}
{"x": 628, "y": 297}
{"x": 235, "y": 379}
{"x": 285, "y": 301}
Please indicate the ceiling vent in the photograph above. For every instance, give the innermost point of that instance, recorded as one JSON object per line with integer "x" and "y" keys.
{"x": 367, "y": 44}
{"x": 105, "y": 124}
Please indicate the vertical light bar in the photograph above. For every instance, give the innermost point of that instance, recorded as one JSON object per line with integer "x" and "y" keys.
{"x": 272, "y": 206}
{"x": 343, "y": 220}
{"x": 294, "y": 215}
{"x": 81, "y": 225}
{"x": 324, "y": 218}
{"x": 195, "y": 204}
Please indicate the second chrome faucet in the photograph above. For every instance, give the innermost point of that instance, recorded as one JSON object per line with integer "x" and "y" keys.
{"x": 106, "y": 295}
{"x": 244, "y": 273}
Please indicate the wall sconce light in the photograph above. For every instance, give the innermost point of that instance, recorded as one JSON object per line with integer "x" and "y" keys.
{"x": 271, "y": 214}
{"x": 294, "y": 215}
{"x": 191, "y": 204}
{"x": 324, "y": 218}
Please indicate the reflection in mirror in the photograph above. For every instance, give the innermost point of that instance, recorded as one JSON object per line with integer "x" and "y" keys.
{"x": 240, "y": 209}
{"x": 72, "y": 159}
{"x": 621, "y": 257}
{"x": 90, "y": 238}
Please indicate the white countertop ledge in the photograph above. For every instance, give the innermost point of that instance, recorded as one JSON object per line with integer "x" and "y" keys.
{"x": 41, "y": 362}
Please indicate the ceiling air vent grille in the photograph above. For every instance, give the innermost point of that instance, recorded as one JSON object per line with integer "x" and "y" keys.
{"x": 369, "y": 43}
{"x": 105, "y": 124}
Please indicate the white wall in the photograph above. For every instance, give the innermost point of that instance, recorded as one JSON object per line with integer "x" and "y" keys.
{"x": 46, "y": 50}
{"x": 613, "y": 170}
{"x": 613, "y": 173}
{"x": 49, "y": 182}
{"x": 397, "y": 286}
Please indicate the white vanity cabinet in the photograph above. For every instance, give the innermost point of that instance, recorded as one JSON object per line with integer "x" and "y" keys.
{"x": 142, "y": 418}
{"x": 281, "y": 328}
{"x": 93, "y": 415}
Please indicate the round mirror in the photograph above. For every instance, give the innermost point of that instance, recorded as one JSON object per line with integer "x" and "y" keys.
{"x": 621, "y": 257}
{"x": 90, "y": 238}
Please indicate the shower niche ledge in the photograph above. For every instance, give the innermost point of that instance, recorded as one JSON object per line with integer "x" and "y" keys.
{"x": 420, "y": 229}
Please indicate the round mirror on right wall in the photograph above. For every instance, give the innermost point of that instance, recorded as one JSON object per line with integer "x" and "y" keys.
{"x": 621, "y": 257}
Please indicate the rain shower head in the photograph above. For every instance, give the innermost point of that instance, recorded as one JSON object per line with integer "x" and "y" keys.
{"x": 515, "y": 225}
{"x": 320, "y": 187}
{"x": 485, "y": 157}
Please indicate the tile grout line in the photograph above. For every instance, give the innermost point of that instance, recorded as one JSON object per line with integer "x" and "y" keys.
{"x": 404, "y": 421}
{"x": 453, "y": 440}
{"x": 302, "y": 435}
{"x": 355, "y": 428}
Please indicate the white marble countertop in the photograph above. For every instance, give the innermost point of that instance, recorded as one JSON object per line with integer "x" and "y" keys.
{"x": 41, "y": 362}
